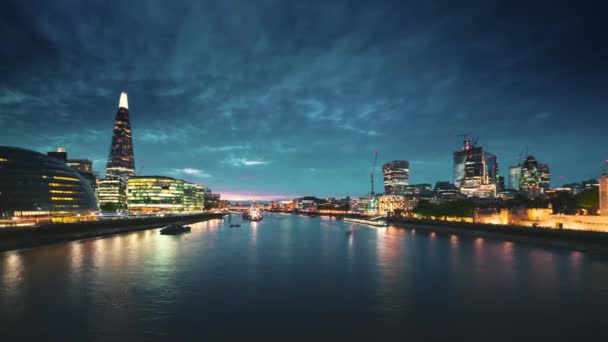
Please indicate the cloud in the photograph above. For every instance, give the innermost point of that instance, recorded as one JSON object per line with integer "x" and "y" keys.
{"x": 198, "y": 173}
{"x": 236, "y": 161}
{"x": 10, "y": 97}
{"x": 224, "y": 148}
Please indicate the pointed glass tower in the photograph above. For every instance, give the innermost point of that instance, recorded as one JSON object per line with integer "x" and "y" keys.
{"x": 121, "y": 162}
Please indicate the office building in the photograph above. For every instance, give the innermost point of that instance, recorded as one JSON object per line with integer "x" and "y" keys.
{"x": 37, "y": 187}
{"x": 121, "y": 162}
{"x": 514, "y": 177}
{"x": 530, "y": 180}
{"x": 112, "y": 194}
{"x": 475, "y": 170}
{"x": 83, "y": 166}
{"x": 194, "y": 197}
{"x": 396, "y": 177}
{"x": 155, "y": 193}
{"x": 545, "y": 176}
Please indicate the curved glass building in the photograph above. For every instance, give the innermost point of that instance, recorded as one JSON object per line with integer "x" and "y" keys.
{"x": 35, "y": 185}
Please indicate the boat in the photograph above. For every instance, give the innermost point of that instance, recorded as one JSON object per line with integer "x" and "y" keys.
{"x": 253, "y": 214}
{"x": 174, "y": 229}
{"x": 235, "y": 225}
{"x": 379, "y": 221}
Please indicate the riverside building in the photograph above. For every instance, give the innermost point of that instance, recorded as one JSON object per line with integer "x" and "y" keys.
{"x": 35, "y": 188}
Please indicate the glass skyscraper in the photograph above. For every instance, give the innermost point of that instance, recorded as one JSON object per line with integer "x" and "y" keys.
{"x": 475, "y": 170}
{"x": 396, "y": 177}
{"x": 121, "y": 162}
{"x": 530, "y": 180}
{"x": 514, "y": 176}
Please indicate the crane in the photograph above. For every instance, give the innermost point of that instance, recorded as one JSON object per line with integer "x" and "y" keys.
{"x": 372, "y": 171}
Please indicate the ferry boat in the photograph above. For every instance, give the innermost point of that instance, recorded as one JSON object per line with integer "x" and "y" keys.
{"x": 253, "y": 214}
{"x": 379, "y": 221}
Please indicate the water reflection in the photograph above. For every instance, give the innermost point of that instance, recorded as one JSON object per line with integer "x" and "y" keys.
{"x": 288, "y": 270}
{"x": 13, "y": 270}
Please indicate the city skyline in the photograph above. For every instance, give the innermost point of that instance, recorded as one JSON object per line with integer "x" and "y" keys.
{"x": 281, "y": 114}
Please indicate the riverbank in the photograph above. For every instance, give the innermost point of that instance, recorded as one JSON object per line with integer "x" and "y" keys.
{"x": 578, "y": 240}
{"x": 583, "y": 241}
{"x": 20, "y": 238}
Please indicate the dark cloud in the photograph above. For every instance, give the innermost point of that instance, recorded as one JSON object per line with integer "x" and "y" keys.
{"x": 297, "y": 95}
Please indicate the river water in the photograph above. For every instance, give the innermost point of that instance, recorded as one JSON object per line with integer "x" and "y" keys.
{"x": 301, "y": 277}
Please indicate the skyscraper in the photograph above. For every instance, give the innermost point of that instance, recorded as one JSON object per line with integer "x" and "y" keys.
{"x": 396, "y": 177}
{"x": 514, "y": 176}
{"x": 475, "y": 170}
{"x": 530, "y": 180}
{"x": 121, "y": 162}
{"x": 545, "y": 176}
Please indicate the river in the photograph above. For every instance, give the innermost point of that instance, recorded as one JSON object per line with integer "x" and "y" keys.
{"x": 301, "y": 277}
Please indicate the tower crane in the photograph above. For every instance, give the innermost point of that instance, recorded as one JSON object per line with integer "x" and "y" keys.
{"x": 372, "y": 171}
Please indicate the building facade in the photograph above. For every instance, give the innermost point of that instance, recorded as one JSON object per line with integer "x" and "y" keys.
{"x": 37, "y": 187}
{"x": 83, "y": 166}
{"x": 530, "y": 179}
{"x": 603, "y": 181}
{"x": 395, "y": 204}
{"x": 396, "y": 177}
{"x": 112, "y": 194}
{"x": 121, "y": 161}
{"x": 194, "y": 197}
{"x": 155, "y": 193}
{"x": 475, "y": 170}
{"x": 545, "y": 176}
{"x": 514, "y": 176}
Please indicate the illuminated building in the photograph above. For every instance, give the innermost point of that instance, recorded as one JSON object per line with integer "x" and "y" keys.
{"x": 574, "y": 188}
{"x": 212, "y": 201}
{"x": 500, "y": 183}
{"x": 194, "y": 197}
{"x": 418, "y": 190}
{"x": 396, "y": 177}
{"x": 603, "y": 182}
{"x": 111, "y": 194}
{"x": 475, "y": 170}
{"x": 121, "y": 162}
{"x": 545, "y": 176}
{"x": 83, "y": 166}
{"x": 59, "y": 154}
{"x": 514, "y": 176}
{"x": 395, "y": 204}
{"x": 530, "y": 179}
{"x": 446, "y": 191}
{"x": 33, "y": 185}
{"x": 155, "y": 193}
{"x": 307, "y": 203}
{"x": 588, "y": 184}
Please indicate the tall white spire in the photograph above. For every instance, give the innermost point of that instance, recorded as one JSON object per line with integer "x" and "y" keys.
{"x": 123, "y": 103}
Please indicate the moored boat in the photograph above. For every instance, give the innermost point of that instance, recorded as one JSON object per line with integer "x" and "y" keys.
{"x": 174, "y": 229}
{"x": 253, "y": 214}
{"x": 374, "y": 221}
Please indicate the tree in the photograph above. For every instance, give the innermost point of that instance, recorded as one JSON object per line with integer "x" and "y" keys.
{"x": 589, "y": 199}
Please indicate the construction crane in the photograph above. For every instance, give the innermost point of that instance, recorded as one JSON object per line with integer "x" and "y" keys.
{"x": 372, "y": 171}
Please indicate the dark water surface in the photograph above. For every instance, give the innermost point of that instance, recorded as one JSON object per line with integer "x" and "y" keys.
{"x": 301, "y": 277}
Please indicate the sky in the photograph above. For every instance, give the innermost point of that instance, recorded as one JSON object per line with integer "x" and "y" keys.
{"x": 274, "y": 99}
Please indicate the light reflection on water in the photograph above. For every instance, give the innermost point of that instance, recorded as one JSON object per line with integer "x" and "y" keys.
{"x": 297, "y": 271}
